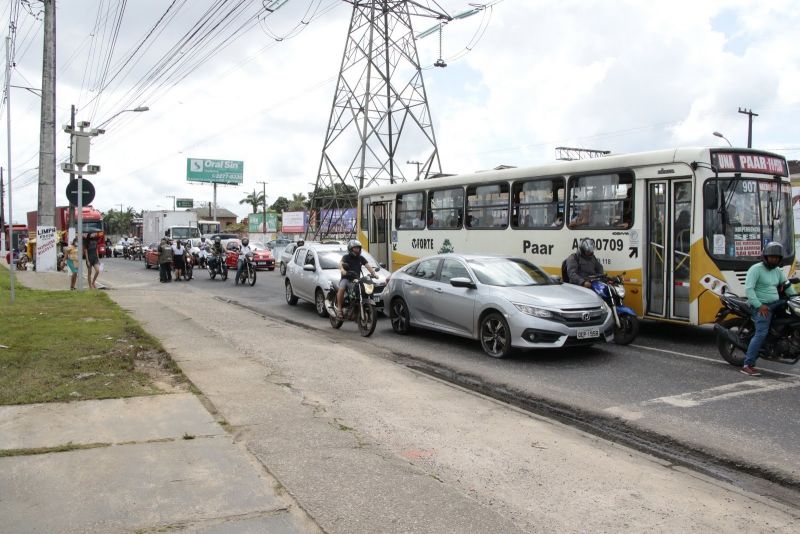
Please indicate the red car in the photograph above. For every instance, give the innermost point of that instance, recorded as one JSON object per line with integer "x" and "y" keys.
{"x": 151, "y": 256}
{"x": 262, "y": 256}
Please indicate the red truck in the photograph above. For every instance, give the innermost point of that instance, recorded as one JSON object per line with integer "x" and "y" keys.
{"x": 92, "y": 222}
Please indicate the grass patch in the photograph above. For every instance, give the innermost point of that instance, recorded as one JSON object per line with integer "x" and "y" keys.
{"x": 69, "y": 345}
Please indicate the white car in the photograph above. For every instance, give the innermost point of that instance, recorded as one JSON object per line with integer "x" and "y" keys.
{"x": 314, "y": 267}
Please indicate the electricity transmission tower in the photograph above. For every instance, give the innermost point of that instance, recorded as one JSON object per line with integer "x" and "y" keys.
{"x": 380, "y": 115}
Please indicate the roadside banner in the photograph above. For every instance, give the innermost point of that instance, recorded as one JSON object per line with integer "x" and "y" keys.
{"x": 294, "y": 222}
{"x": 45, "y": 248}
{"x": 255, "y": 222}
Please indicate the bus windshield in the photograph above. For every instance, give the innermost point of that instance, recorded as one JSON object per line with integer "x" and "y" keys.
{"x": 742, "y": 215}
{"x": 92, "y": 226}
{"x": 184, "y": 232}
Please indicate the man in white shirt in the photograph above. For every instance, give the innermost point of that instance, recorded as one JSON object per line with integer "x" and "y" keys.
{"x": 244, "y": 250}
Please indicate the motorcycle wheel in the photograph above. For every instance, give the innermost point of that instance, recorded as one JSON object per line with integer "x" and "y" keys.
{"x": 251, "y": 276}
{"x": 743, "y": 328}
{"x": 212, "y": 273}
{"x": 188, "y": 272}
{"x": 627, "y": 331}
{"x": 224, "y": 275}
{"x": 366, "y": 324}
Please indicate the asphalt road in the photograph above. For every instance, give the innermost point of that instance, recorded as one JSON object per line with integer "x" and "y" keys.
{"x": 671, "y": 380}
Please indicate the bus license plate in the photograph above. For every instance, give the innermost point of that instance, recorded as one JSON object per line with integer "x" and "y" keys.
{"x": 586, "y": 333}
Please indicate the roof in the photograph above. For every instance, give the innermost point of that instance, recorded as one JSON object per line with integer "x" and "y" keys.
{"x": 221, "y": 212}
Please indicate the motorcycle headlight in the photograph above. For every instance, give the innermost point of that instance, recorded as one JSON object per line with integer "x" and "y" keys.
{"x": 620, "y": 291}
{"x": 368, "y": 288}
{"x": 532, "y": 310}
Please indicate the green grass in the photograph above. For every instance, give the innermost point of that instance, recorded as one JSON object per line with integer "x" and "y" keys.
{"x": 69, "y": 345}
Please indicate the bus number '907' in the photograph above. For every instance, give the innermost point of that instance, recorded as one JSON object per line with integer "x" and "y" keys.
{"x": 603, "y": 244}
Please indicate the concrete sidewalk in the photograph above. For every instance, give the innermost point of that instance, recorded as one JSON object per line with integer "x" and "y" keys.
{"x": 364, "y": 445}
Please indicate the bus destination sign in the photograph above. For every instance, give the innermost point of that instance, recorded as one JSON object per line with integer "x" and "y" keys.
{"x": 749, "y": 162}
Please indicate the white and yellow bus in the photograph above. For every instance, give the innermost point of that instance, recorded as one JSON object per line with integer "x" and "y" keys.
{"x": 681, "y": 224}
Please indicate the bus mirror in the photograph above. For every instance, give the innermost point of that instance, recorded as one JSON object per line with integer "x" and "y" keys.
{"x": 710, "y": 198}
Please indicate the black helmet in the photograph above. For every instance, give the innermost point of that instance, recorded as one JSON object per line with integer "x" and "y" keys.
{"x": 217, "y": 240}
{"x": 353, "y": 243}
{"x": 773, "y": 248}
{"x": 587, "y": 246}
{"x": 245, "y": 242}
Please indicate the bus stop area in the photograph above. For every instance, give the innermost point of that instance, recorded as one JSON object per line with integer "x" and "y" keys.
{"x": 320, "y": 433}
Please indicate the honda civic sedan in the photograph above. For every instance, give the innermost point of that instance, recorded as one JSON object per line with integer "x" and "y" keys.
{"x": 504, "y": 302}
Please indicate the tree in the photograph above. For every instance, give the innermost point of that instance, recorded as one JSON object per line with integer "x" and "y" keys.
{"x": 280, "y": 205}
{"x": 255, "y": 199}
{"x": 298, "y": 202}
{"x": 346, "y": 196}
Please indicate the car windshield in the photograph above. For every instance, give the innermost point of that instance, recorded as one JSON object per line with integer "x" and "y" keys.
{"x": 257, "y": 245}
{"x": 506, "y": 272}
{"x": 329, "y": 259}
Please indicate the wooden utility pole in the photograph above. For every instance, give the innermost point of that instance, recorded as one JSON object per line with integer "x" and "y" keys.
{"x": 750, "y": 115}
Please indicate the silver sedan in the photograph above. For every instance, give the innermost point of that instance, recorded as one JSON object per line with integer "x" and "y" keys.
{"x": 314, "y": 267}
{"x": 504, "y": 302}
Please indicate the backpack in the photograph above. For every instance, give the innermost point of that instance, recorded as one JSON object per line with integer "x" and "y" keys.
{"x": 564, "y": 275}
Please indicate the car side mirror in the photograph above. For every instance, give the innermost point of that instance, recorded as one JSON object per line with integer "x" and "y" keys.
{"x": 309, "y": 267}
{"x": 555, "y": 279}
{"x": 462, "y": 282}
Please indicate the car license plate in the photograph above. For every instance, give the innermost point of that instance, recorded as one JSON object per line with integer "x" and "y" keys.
{"x": 261, "y": 263}
{"x": 586, "y": 333}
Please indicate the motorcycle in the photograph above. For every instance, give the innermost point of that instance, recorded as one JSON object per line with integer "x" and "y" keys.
{"x": 126, "y": 252}
{"x": 611, "y": 290}
{"x": 358, "y": 305}
{"x": 136, "y": 253}
{"x": 248, "y": 270}
{"x": 782, "y": 344}
{"x": 217, "y": 266}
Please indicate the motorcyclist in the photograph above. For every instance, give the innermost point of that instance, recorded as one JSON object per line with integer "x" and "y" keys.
{"x": 583, "y": 264}
{"x": 244, "y": 250}
{"x": 350, "y": 269}
{"x": 203, "y": 246}
{"x": 761, "y": 286}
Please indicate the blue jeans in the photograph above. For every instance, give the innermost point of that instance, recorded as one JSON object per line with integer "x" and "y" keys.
{"x": 762, "y": 329}
{"x": 239, "y": 269}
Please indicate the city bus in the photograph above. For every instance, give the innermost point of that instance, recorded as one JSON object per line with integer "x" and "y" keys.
{"x": 680, "y": 226}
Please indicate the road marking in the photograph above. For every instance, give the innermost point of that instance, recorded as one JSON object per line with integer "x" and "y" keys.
{"x": 707, "y": 359}
{"x": 726, "y": 391}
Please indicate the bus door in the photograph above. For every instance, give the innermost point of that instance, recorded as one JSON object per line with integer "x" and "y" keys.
{"x": 668, "y": 232}
{"x": 379, "y": 232}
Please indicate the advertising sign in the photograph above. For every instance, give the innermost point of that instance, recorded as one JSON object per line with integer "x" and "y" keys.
{"x": 338, "y": 221}
{"x": 256, "y": 226}
{"x": 218, "y": 171}
{"x": 294, "y": 222}
{"x": 796, "y": 212}
{"x": 45, "y": 248}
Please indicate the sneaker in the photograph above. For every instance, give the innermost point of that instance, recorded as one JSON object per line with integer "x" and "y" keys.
{"x": 749, "y": 370}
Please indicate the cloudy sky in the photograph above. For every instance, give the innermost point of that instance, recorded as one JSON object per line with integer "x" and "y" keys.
{"x": 615, "y": 75}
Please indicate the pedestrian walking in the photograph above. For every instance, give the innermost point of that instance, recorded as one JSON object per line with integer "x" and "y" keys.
{"x": 179, "y": 259}
{"x": 165, "y": 260}
{"x": 92, "y": 259}
{"x": 72, "y": 262}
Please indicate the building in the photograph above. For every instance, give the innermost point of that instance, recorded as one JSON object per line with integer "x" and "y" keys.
{"x": 225, "y": 217}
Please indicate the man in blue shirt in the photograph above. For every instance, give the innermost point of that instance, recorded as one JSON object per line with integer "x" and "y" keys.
{"x": 761, "y": 286}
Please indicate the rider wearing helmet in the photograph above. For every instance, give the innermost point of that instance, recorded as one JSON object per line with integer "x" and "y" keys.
{"x": 761, "y": 287}
{"x": 350, "y": 269}
{"x": 583, "y": 264}
{"x": 244, "y": 251}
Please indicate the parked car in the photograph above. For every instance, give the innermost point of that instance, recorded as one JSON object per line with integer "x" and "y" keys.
{"x": 504, "y": 302}
{"x": 151, "y": 256}
{"x": 314, "y": 267}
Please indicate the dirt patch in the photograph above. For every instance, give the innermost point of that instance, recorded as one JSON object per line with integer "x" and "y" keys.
{"x": 161, "y": 370}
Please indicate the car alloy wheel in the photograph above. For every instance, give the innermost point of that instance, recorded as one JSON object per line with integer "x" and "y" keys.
{"x": 398, "y": 316}
{"x": 319, "y": 302}
{"x": 495, "y": 336}
{"x": 291, "y": 299}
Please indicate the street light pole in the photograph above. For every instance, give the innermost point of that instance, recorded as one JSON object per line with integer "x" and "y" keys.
{"x": 417, "y": 163}
{"x": 173, "y": 200}
{"x": 717, "y": 134}
{"x": 138, "y": 109}
{"x": 8, "y": 139}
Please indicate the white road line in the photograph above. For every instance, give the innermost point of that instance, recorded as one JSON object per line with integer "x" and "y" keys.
{"x": 705, "y": 358}
{"x": 726, "y": 391}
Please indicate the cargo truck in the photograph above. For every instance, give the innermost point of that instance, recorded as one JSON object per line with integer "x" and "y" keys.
{"x": 171, "y": 224}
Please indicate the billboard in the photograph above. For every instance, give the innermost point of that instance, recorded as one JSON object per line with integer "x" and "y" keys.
{"x": 255, "y": 222}
{"x": 219, "y": 171}
{"x": 337, "y": 221}
{"x": 294, "y": 222}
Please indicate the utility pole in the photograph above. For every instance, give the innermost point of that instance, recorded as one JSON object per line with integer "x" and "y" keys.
{"x": 8, "y": 139}
{"x": 47, "y": 132}
{"x": 2, "y": 214}
{"x": 417, "y": 163}
{"x": 264, "y": 204}
{"x": 750, "y": 115}
{"x": 168, "y": 196}
{"x": 71, "y": 216}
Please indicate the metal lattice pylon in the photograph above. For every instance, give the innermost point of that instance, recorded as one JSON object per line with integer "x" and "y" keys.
{"x": 380, "y": 113}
